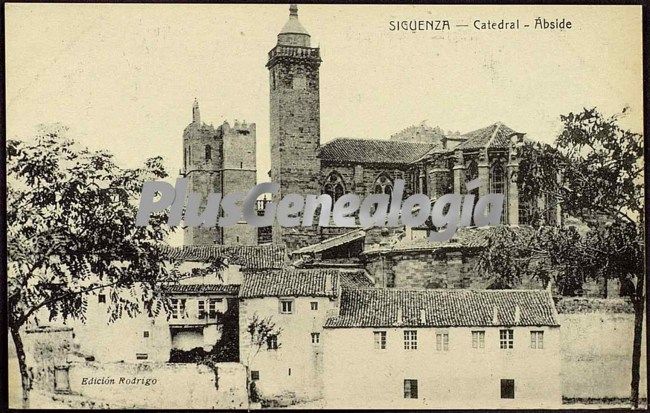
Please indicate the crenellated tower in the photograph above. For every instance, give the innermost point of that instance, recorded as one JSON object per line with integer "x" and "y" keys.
{"x": 219, "y": 160}
{"x": 295, "y": 120}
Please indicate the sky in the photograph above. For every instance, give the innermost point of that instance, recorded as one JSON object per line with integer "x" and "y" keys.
{"x": 123, "y": 77}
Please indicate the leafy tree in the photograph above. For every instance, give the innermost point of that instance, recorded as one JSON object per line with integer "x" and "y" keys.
{"x": 71, "y": 232}
{"x": 595, "y": 172}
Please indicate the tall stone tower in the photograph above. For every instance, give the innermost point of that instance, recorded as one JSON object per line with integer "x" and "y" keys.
{"x": 201, "y": 166}
{"x": 295, "y": 121}
{"x": 219, "y": 160}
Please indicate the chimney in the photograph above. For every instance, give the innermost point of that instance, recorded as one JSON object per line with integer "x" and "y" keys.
{"x": 399, "y": 316}
{"x": 328, "y": 282}
{"x": 495, "y": 315}
{"x": 423, "y": 317}
{"x": 517, "y": 314}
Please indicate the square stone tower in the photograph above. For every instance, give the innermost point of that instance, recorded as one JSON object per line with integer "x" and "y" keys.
{"x": 219, "y": 160}
{"x": 295, "y": 121}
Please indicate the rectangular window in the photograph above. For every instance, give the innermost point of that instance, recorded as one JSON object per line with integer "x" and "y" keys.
{"x": 101, "y": 298}
{"x": 272, "y": 342}
{"x": 380, "y": 340}
{"x": 410, "y": 389}
{"x": 145, "y": 334}
{"x": 201, "y": 309}
{"x": 286, "y": 306}
{"x": 174, "y": 308}
{"x": 212, "y": 308}
{"x": 507, "y": 389}
{"x": 255, "y": 374}
{"x": 315, "y": 338}
{"x": 314, "y": 305}
{"x": 442, "y": 341}
{"x": 141, "y": 356}
{"x": 478, "y": 339}
{"x": 410, "y": 340}
{"x": 506, "y": 339}
{"x": 537, "y": 339}
{"x": 181, "y": 309}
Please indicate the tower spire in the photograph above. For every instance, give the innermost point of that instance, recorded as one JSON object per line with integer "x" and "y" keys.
{"x": 293, "y": 10}
{"x": 196, "y": 115}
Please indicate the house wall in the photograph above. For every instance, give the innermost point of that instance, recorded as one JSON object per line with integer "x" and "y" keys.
{"x": 357, "y": 375}
{"x": 97, "y": 337}
{"x": 293, "y": 372}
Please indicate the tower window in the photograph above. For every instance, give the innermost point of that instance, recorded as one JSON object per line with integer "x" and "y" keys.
{"x": 299, "y": 82}
{"x": 208, "y": 153}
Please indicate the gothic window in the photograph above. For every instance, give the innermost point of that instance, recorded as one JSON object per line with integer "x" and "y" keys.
{"x": 498, "y": 183}
{"x": 334, "y": 186}
{"x": 525, "y": 211}
{"x": 497, "y": 179}
{"x": 383, "y": 185}
{"x": 471, "y": 173}
{"x": 208, "y": 153}
{"x": 550, "y": 210}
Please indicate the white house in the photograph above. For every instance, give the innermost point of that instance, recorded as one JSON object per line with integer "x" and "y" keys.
{"x": 298, "y": 301}
{"x": 443, "y": 349}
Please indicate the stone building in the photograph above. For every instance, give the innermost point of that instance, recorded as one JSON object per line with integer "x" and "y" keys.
{"x": 431, "y": 161}
{"x": 295, "y": 119}
{"x": 219, "y": 160}
{"x": 416, "y": 349}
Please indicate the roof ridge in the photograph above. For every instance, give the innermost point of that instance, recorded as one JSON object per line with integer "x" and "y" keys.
{"x": 494, "y": 134}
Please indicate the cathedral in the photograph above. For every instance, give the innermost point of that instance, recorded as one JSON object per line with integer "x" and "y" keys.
{"x": 429, "y": 160}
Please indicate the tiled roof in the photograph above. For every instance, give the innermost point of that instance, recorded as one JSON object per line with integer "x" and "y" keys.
{"x": 290, "y": 282}
{"x": 229, "y": 289}
{"x": 355, "y": 279}
{"x": 380, "y": 307}
{"x": 496, "y": 135}
{"x": 332, "y": 242}
{"x": 253, "y": 256}
{"x": 475, "y": 237}
{"x": 373, "y": 151}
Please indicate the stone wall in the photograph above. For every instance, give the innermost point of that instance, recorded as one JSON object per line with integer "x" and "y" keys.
{"x": 596, "y": 348}
{"x": 46, "y": 348}
{"x": 162, "y": 385}
{"x": 430, "y": 269}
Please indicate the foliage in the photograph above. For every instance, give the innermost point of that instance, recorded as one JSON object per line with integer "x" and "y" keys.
{"x": 70, "y": 215}
{"x": 71, "y": 232}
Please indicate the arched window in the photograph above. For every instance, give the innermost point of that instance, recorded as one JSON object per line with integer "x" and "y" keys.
{"x": 497, "y": 179}
{"x": 334, "y": 186}
{"x": 383, "y": 185}
{"x": 471, "y": 173}
{"x": 208, "y": 152}
{"x": 498, "y": 184}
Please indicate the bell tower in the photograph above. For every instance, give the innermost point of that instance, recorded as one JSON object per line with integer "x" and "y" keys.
{"x": 295, "y": 121}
